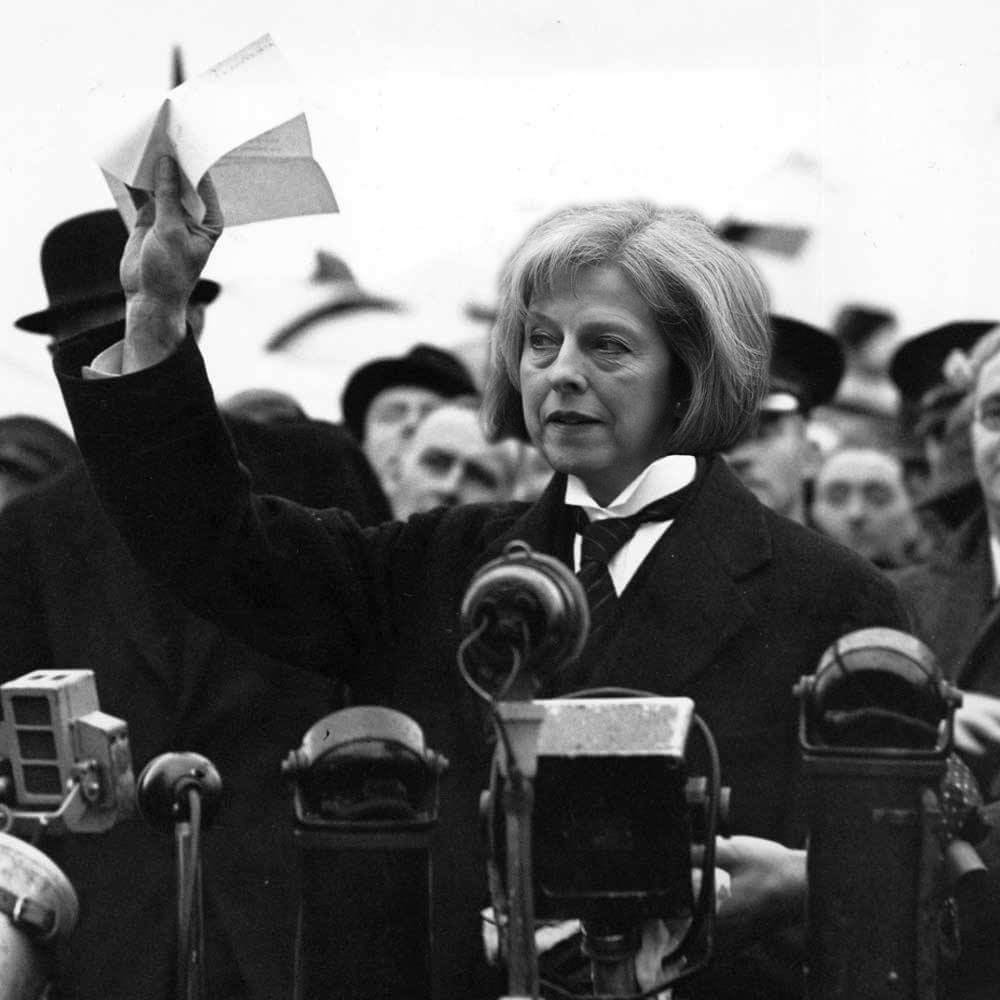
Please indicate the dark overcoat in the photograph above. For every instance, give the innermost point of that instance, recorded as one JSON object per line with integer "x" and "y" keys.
{"x": 733, "y": 605}
{"x": 951, "y": 606}
{"x": 71, "y": 597}
{"x": 950, "y": 603}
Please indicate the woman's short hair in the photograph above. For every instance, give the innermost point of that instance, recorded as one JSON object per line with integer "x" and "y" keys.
{"x": 710, "y": 303}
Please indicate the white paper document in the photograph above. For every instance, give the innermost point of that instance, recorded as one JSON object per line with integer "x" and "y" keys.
{"x": 240, "y": 121}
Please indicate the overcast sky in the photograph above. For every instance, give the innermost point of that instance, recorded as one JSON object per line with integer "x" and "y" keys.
{"x": 445, "y": 127}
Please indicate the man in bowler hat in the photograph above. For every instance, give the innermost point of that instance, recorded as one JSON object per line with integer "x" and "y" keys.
{"x": 72, "y": 597}
{"x": 385, "y": 401}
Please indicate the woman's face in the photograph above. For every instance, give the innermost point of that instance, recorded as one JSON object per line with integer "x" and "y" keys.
{"x": 595, "y": 380}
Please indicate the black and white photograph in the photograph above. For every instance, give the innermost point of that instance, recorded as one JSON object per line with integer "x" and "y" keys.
{"x": 500, "y": 501}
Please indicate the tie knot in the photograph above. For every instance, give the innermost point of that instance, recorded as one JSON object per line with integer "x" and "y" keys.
{"x": 601, "y": 539}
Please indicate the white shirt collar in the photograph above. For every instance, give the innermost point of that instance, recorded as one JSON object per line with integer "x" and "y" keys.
{"x": 659, "y": 479}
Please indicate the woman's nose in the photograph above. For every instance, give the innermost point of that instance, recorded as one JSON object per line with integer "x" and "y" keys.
{"x": 566, "y": 373}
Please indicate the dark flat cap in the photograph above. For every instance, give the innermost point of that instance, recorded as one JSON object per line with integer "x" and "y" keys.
{"x": 80, "y": 260}
{"x": 917, "y": 367}
{"x": 806, "y": 364}
{"x": 424, "y": 366}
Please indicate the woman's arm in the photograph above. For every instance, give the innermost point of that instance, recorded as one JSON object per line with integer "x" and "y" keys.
{"x": 163, "y": 259}
{"x": 291, "y": 581}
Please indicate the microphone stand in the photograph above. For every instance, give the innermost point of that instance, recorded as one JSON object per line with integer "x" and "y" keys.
{"x": 190, "y": 909}
{"x": 181, "y": 790}
{"x": 522, "y": 721}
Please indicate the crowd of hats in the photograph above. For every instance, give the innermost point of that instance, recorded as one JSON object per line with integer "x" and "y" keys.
{"x": 927, "y": 369}
{"x": 80, "y": 261}
{"x": 80, "y": 269}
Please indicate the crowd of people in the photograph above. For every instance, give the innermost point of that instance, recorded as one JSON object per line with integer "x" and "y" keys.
{"x": 233, "y": 572}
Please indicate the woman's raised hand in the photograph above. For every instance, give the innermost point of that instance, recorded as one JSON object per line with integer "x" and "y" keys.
{"x": 162, "y": 262}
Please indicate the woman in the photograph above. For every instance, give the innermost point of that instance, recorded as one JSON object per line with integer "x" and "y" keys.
{"x": 631, "y": 346}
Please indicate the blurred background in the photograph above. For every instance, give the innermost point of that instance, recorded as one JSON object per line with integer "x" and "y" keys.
{"x": 445, "y": 128}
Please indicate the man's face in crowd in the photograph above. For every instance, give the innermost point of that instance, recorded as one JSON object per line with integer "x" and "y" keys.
{"x": 774, "y": 460}
{"x": 448, "y": 461}
{"x": 391, "y": 421}
{"x": 986, "y": 434}
{"x": 861, "y": 501}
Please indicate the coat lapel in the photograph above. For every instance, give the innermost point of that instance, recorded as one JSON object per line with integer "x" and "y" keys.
{"x": 685, "y": 604}
{"x": 975, "y": 614}
{"x": 540, "y": 524}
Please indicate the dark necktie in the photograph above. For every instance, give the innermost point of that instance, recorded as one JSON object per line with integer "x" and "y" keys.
{"x": 602, "y": 539}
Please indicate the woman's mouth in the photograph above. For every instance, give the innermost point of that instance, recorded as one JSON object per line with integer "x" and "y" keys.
{"x": 569, "y": 418}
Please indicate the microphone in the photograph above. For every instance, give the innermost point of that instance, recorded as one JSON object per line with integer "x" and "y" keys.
{"x": 40, "y": 910}
{"x": 182, "y": 791}
{"x": 875, "y": 729}
{"x": 165, "y": 784}
{"x": 70, "y": 764}
{"x": 877, "y": 688}
{"x": 366, "y": 796}
{"x": 528, "y": 604}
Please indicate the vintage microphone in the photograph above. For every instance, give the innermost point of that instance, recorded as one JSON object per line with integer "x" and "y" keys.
{"x": 576, "y": 839}
{"x": 875, "y": 730}
{"x": 40, "y": 909}
{"x": 182, "y": 791}
{"x": 65, "y": 768}
{"x": 365, "y": 788}
{"x": 525, "y": 616}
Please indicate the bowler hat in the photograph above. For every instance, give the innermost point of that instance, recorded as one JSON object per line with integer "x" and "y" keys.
{"x": 807, "y": 365}
{"x": 425, "y": 366}
{"x": 344, "y": 294}
{"x": 80, "y": 262}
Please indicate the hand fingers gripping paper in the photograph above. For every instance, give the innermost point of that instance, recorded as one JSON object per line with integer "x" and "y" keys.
{"x": 241, "y": 119}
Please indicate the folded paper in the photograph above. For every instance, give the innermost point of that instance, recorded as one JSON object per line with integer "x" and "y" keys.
{"x": 241, "y": 122}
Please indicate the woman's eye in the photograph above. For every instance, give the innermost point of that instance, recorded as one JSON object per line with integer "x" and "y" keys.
{"x": 611, "y": 345}
{"x": 539, "y": 340}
